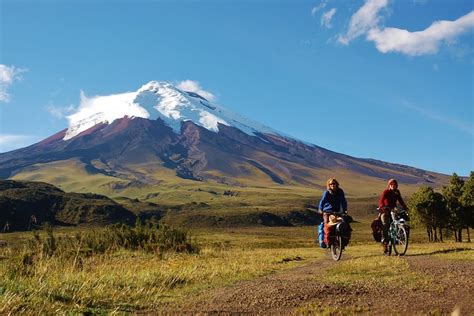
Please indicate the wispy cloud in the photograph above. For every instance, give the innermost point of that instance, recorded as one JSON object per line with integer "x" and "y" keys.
{"x": 460, "y": 125}
{"x": 423, "y": 42}
{"x": 8, "y": 74}
{"x": 10, "y": 142}
{"x": 194, "y": 86}
{"x": 60, "y": 112}
{"x": 327, "y": 17}
{"x": 366, "y": 18}
{"x": 317, "y": 8}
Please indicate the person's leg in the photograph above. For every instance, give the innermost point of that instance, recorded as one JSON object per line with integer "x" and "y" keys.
{"x": 325, "y": 218}
{"x": 385, "y": 218}
{"x": 327, "y": 228}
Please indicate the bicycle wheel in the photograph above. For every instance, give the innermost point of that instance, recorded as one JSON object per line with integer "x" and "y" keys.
{"x": 400, "y": 245}
{"x": 336, "y": 247}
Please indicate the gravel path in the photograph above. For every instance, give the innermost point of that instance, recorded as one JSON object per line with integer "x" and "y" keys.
{"x": 286, "y": 291}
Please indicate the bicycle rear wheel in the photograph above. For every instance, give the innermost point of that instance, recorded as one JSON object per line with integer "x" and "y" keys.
{"x": 336, "y": 248}
{"x": 400, "y": 245}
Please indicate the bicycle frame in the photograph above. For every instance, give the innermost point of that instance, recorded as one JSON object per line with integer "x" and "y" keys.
{"x": 398, "y": 232}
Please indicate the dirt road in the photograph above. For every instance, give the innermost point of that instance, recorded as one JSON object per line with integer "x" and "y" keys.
{"x": 299, "y": 290}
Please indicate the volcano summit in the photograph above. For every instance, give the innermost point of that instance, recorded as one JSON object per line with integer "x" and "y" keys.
{"x": 160, "y": 134}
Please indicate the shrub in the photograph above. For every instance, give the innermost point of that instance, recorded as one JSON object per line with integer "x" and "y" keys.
{"x": 149, "y": 237}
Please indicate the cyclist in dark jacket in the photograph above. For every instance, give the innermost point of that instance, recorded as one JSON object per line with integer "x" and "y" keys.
{"x": 388, "y": 201}
{"x": 333, "y": 201}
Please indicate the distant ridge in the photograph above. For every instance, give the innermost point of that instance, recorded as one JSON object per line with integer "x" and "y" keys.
{"x": 27, "y": 204}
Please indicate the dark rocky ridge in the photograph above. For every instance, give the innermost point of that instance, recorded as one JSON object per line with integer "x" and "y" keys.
{"x": 23, "y": 201}
{"x": 26, "y": 204}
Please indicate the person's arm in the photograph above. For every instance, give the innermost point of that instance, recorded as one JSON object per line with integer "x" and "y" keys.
{"x": 382, "y": 199}
{"x": 323, "y": 201}
{"x": 343, "y": 202}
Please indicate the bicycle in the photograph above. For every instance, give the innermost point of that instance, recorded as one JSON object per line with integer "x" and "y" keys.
{"x": 340, "y": 236}
{"x": 398, "y": 232}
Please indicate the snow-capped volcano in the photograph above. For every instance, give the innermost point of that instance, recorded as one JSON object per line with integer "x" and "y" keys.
{"x": 135, "y": 139}
{"x": 158, "y": 100}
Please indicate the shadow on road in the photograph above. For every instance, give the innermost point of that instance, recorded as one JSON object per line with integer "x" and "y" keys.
{"x": 439, "y": 252}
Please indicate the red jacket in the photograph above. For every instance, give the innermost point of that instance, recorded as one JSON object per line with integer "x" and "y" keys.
{"x": 389, "y": 199}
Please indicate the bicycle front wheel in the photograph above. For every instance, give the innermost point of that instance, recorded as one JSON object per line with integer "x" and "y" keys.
{"x": 400, "y": 245}
{"x": 336, "y": 248}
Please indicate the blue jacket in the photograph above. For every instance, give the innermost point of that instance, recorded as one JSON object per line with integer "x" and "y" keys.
{"x": 333, "y": 202}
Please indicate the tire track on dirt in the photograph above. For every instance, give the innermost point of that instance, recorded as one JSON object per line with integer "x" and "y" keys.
{"x": 281, "y": 292}
{"x": 285, "y": 291}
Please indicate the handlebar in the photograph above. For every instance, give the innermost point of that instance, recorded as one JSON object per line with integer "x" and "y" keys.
{"x": 335, "y": 213}
{"x": 393, "y": 210}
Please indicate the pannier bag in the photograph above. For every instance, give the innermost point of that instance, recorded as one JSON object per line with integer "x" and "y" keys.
{"x": 405, "y": 216}
{"x": 377, "y": 229}
{"x": 322, "y": 244}
{"x": 344, "y": 230}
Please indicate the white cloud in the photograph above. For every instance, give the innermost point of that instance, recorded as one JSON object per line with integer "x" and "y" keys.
{"x": 193, "y": 86}
{"x": 60, "y": 111}
{"x": 366, "y": 18}
{"x": 327, "y": 17}
{"x": 430, "y": 114}
{"x": 99, "y": 109}
{"x": 422, "y": 42}
{"x": 320, "y": 6}
{"x": 10, "y": 142}
{"x": 7, "y": 76}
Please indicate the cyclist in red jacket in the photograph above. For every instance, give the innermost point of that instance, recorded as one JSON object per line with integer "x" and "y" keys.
{"x": 388, "y": 201}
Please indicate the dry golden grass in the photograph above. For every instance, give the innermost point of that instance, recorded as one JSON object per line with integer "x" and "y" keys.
{"x": 131, "y": 281}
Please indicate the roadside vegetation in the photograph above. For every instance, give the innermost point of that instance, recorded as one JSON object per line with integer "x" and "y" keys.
{"x": 446, "y": 213}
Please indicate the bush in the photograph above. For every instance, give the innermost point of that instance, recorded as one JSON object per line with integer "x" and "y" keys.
{"x": 149, "y": 237}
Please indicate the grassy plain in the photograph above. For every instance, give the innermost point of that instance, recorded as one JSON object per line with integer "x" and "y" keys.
{"x": 157, "y": 184}
{"x": 135, "y": 280}
{"x": 231, "y": 249}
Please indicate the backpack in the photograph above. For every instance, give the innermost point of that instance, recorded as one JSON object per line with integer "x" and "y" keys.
{"x": 377, "y": 229}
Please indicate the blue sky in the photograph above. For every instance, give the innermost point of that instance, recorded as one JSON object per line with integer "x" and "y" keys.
{"x": 384, "y": 79}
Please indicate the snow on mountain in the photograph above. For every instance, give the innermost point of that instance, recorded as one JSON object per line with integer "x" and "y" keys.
{"x": 103, "y": 109}
{"x": 158, "y": 100}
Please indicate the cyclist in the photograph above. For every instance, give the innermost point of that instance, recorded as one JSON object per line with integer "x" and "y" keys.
{"x": 388, "y": 201}
{"x": 333, "y": 201}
